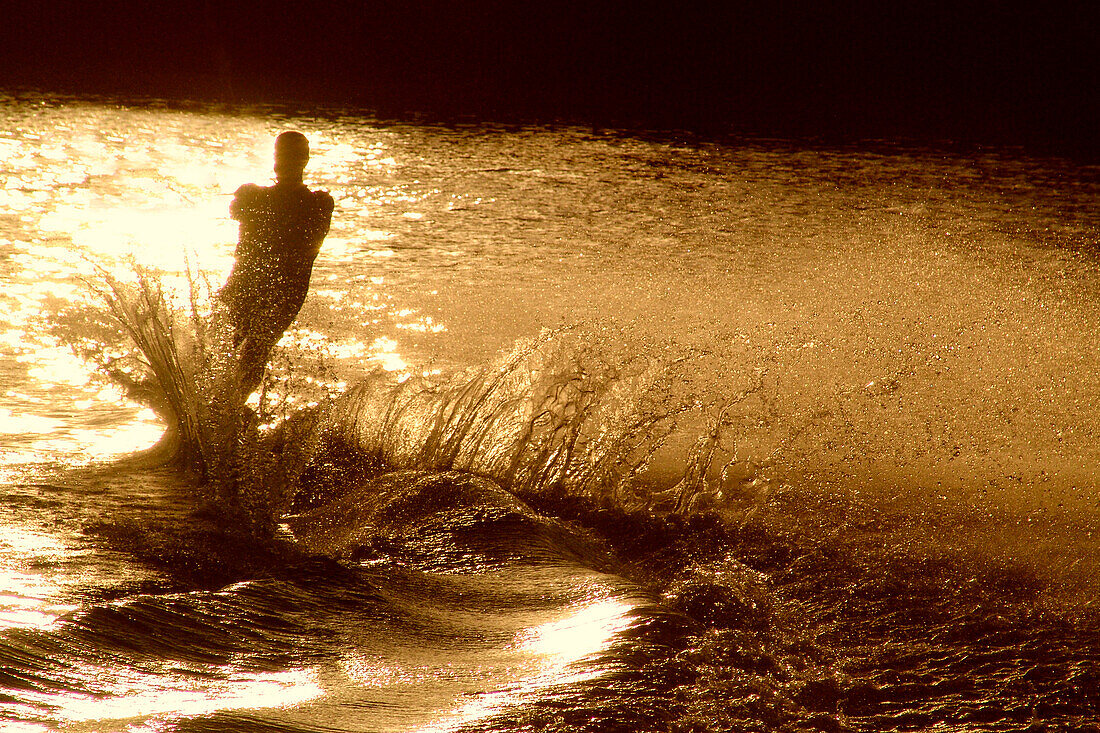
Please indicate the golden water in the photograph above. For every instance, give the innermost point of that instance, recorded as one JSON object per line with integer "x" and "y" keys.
{"x": 887, "y": 324}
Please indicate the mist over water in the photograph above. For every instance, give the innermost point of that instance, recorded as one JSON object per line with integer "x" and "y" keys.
{"x": 877, "y": 360}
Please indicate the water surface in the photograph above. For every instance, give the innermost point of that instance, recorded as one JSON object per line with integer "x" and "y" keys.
{"x": 894, "y": 349}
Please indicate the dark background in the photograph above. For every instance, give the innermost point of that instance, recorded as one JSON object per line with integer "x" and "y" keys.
{"x": 964, "y": 71}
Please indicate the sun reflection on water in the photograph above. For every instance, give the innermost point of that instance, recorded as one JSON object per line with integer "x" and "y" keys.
{"x": 584, "y": 632}
{"x": 29, "y": 598}
{"x": 149, "y": 701}
{"x": 546, "y": 656}
{"x": 67, "y": 412}
{"x": 110, "y": 188}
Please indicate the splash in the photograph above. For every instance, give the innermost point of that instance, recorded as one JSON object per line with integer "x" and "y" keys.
{"x": 173, "y": 360}
{"x": 570, "y": 412}
{"x": 564, "y": 413}
{"x": 176, "y": 355}
{"x": 725, "y": 427}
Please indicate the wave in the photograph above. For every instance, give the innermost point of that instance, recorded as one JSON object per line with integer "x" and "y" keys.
{"x": 315, "y": 641}
{"x": 440, "y": 521}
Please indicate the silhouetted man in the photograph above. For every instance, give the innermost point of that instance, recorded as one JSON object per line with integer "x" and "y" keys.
{"x": 281, "y": 230}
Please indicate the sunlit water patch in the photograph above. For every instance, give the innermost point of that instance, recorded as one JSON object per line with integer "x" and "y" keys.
{"x": 31, "y": 598}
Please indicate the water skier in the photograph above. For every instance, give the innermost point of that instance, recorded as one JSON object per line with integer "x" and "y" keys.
{"x": 281, "y": 230}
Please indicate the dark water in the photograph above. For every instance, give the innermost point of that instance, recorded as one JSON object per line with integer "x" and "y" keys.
{"x": 604, "y": 433}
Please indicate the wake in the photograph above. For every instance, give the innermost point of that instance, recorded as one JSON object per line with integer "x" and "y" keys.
{"x": 560, "y": 414}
